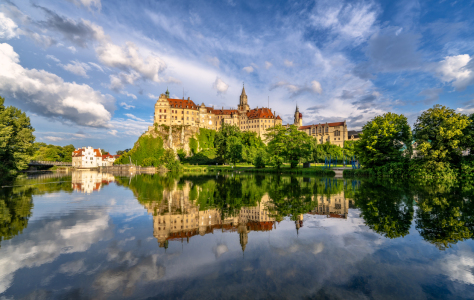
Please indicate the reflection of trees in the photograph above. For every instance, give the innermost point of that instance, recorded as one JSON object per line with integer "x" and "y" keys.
{"x": 387, "y": 208}
{"x": 290, "y": 197}
{"x": 444, "y": 217}
{"x": 16, "y": 202}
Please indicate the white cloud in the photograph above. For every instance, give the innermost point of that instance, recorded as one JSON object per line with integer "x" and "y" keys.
{"x": 72, "y": 48}
{"x": 126, "y": 106}
{"x": 248, "y": 69}
{"x": 288, "y": 63}
{"x": 78, "y": 68}
{"x": 113, "y": 132}
{"x": 220, "y": 86}
{"x": 118, "y": 82}
{"x": 48, "y": 95}
{"x": 45, "y": 244}
{"x": 316, "y": 86}
{"x": 52, "y": 57}
{"x": 8, "y": 28}
{"x": 151, "y": 96}
{"x": 97, "y": 66}
{"x": 458, "y": 266}
{"x": 351, "y": 21}
{"x": 90, "y": 4}
{"x": 455, "y": 70}
{"x": 53, "y": 138}
{"x": 134, "y": 117}
{"x": 128, "y": 58}
{"x": 128, "y": 94}
{"x": 213, "y": 61}
{"x": 268, "y": 65}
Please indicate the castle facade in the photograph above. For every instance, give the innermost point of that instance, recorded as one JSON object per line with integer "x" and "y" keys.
{"x": 173, "y": 112}
{"x": 185, "y": 112}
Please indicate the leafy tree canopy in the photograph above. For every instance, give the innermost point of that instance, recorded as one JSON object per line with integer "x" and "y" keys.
{"x": 16, "y": 139}
{"x": 385, "y": 139}
{"x": 438, "y": 132}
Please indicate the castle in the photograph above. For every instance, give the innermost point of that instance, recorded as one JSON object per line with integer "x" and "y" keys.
{"x": 173, "y": 112}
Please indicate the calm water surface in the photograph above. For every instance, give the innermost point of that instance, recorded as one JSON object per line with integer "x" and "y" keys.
{"x": 90, "y": 235}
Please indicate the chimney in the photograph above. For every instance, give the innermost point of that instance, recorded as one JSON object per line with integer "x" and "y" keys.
{"x": 189, "y": 98}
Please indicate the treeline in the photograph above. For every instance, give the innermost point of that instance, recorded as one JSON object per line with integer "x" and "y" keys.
{"x": 438, "y": 146}
{"x": 45, "y": 152}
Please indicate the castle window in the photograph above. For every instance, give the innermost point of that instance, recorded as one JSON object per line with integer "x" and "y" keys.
{"x": 160, "y": 116}
{"x": 164, "y": 117}
{"x": 160, "y": 110}
{"x": 165, "y": 110}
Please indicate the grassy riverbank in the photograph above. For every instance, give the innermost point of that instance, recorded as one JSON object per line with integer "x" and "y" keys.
{"x": 285, "y": 169}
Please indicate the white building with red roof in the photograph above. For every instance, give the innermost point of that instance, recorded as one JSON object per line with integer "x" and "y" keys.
{"x": 87, "y": 157}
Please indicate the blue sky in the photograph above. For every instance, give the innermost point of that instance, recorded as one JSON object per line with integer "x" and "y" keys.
{"x": 88, "y": 72}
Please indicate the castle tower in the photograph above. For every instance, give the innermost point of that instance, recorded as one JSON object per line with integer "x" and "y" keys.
{"x": 243, "y": 104}
{"x": 243, "y": 235}
{"x": 298, "y": 117}
{"x": 167, "y": 94}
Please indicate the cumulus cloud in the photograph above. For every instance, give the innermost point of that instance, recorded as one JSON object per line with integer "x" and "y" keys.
{"x": 128, "y": 58}
{"x": 78, "y": 68}
{"x": 73, "y": 49}
{"x": 457, "y": 70}
{"x": 288, "y": 63}
{"x": 113, "y": 132}
{"x": 126, "y": 106}
{"x": 48, "y": 95}
{"x": 128, "y": 94}
{"x": 118, "y": 82}
{"x": 268, "y": 65}
{"x": 220, "y": 86}
{"x": 316, "y": 87}
{"x": 8, "y": 28}
{"x": 248, "y": 69}
{"x": 151, "y": 96}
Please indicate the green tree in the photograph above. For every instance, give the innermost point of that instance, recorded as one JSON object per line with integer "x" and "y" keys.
{"x": 16, "y": 139}
{"x": 439, "y": 134}
{"x": 383, "y": 140}
{"x": 276, "y": 137}
{"x": 260, "y": 159}
{"x": 468, "y": 136}
{"x": 234, "y": 149}
{"x": 221, "y": 138}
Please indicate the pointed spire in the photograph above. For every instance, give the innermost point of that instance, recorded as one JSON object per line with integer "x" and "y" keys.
{"x": 243, "y": 90}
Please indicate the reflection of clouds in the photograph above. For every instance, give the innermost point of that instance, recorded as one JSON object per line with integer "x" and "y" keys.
{"x": 45, "y": 241}
{"x": 459, "y": 267}
{"x": 220, "y": 249}
{"x": 73, "y": 267}
{"x": 125, "y": 279}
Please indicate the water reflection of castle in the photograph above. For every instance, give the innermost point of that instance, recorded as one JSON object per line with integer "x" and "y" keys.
{"x": 177, "y": 218}
{"x": 334, "y": 206}
{"x": 90, "y": 181}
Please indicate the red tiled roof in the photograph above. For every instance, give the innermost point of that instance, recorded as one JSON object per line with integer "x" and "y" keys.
{"x": 180, "y": 103}
{"x": 260, "y": 113}
{"x": 278, "y": 117}
{"x": 77, "y": 153}
{"x": 107, "y": 156}
{"x": 97, "y": 153}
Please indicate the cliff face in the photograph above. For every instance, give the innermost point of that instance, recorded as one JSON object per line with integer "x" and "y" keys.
{"x": 174, "y": 137}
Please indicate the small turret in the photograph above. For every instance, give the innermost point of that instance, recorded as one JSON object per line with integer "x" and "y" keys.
{"x": 298, "y": 121}
{"x": 167, "y": 94}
